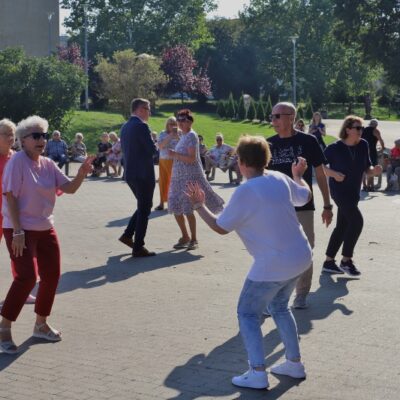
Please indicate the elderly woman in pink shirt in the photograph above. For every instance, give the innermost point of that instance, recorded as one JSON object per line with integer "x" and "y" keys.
{"x": 30, "y": 185}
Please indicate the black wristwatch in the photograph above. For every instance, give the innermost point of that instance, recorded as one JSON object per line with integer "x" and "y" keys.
{"x": 328, "y": 207}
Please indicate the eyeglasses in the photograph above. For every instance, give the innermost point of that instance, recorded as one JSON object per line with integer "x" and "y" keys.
{"x": 182, "y": 119}
{"x": 359, "y": 128}
{"x": 38, "y": 135}
{"x": 277, "y": 116}
{"x": 146, "y": 108}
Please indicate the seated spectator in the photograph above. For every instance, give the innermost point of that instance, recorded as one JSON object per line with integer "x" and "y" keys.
{"x": 103, "y": 148}
{"x": 115, "y": 155}
{"x": 57, "y": 149}
{"x": 300, "y": 126}
{"x": 202, "y": 151}
{"x": 78, "y": 149}
{"x": 393, "y": 168}
{"x": 217, "y": 156}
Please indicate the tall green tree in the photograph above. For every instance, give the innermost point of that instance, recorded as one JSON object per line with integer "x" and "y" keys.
{"x": 145, "y": 26}
{"x": 241, "y": 111}
{"x": 375, "y": 24}
{"x": 230, "y": 107}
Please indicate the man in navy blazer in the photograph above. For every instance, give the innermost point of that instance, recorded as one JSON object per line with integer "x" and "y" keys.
{"x": 138, "y": 150}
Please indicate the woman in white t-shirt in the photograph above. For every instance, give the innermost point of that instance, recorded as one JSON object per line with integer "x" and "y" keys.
{"x": 270, "y": 230}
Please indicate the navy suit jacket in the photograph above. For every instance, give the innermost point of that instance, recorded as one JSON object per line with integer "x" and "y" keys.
{"x": 138, "y": 149}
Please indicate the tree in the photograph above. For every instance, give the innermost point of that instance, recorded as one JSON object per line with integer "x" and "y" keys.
{"x": 309, "y": 110}
{"x": 144, "y": 26}
{"x": 252, "y": 112}
{"x": 376, "y": 26}
{"x": 178, "y": 64}
{"x": 260, "y": 113}
{"x": 241, "y": 111}
{"x": 44, "y": 86}
{"x": 221, "y": 112}
{"x": 268, "y": 108}
{"x": 71, "y": 54}
{"x": 300, "y": 112}
{"x": 128, "y": 75}
{"x": 230, "y": 107}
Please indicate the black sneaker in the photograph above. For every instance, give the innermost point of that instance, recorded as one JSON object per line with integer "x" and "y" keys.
{"x": 331, "y": 268}
{"x": 349, "y": 268}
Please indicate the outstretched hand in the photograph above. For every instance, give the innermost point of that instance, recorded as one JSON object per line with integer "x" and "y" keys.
{"x": 195, "y": 193}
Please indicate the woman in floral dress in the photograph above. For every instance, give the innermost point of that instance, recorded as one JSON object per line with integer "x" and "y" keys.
{"x": 187, "y": 168}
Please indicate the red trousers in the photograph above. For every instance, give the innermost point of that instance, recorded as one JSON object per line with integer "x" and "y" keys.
{"x": 42, "y": 252}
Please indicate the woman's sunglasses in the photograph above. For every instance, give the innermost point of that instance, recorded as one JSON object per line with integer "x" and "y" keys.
{"x": 38, "y": 135}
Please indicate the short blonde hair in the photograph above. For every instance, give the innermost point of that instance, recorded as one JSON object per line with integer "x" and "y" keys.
{"x": 78, "y": 135}
{"x": 34, "y": 121}
{"x": 348, "y": 123}
{"x": 7, "y": 126}
{"x": 253, "y": 151}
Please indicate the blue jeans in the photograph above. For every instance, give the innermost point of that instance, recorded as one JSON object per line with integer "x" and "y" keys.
{"x": 255, "y": 296}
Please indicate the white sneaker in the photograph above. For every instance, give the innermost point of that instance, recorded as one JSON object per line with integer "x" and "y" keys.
{"x": 290, "y": 368}
{"x": 252, "y": 379}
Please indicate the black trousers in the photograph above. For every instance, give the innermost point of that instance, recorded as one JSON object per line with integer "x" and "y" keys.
{"x": 349, "y": 224}
{"x": 137, "y": 226}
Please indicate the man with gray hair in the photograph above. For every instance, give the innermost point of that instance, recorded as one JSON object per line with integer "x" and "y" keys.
{"x": 57, "y": 149}
{"x": 286, "y": 147}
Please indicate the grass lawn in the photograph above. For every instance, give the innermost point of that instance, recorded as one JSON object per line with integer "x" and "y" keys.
{"x": 93, "y": 123}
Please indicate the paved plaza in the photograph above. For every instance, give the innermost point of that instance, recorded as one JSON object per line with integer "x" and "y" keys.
{"x": 166, "y": 328}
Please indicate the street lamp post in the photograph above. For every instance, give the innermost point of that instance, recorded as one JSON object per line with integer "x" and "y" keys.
{"x": 293, "y": 39}
{"x": 49, "y": 18}
{"x": 85, "y": 10}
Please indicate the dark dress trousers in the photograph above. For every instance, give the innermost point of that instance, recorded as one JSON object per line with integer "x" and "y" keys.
{"x": 138, "y": 150}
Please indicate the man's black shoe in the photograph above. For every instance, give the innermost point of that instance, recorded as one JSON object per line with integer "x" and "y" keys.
{"x": 126, "y": 240}
{"x": 143, "y": 252}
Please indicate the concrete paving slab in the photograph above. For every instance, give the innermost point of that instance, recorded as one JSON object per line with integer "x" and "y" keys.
{"x": 165, "y": 327}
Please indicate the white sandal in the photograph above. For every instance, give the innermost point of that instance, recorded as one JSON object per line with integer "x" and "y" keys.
{"x": 8, "y": 346}
{"x": 52, "y": 335}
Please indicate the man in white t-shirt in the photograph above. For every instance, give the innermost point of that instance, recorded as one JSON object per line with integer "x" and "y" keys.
{"x": 261, "y": 212}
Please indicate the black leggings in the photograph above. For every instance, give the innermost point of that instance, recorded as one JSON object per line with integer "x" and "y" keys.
{"x": 349, "y": 224}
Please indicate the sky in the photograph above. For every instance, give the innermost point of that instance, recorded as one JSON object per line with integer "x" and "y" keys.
{"x": 226, "y": 8}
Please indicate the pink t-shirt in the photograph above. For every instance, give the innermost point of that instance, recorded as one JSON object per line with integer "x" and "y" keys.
{"x": 35, "y": 185}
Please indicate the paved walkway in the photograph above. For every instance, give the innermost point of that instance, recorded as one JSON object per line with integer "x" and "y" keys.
{"x": 165, "y": 327}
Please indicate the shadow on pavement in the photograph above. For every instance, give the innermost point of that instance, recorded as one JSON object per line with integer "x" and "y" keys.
{"x": 7, "y": 359}
{"x": 210, "y": 375}
{"x": 121, "y": 267}
{"x": 123, "y": 222}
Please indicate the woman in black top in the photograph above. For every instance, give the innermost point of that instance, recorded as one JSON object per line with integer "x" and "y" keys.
{"x": 348, "y": 160}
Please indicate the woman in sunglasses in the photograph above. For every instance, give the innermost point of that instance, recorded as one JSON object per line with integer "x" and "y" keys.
{"x": 300, "y": 125}
{"x": 187, "y": 168}
{"x": 348, "y": 160}
{"x": 30, "y": 185}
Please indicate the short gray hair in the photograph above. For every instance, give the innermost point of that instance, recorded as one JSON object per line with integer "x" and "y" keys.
{"x": 27, "y": 124}
{"x": 78, "y": 135}
{"x": 287, "y": 104}
{"x": 7, "y": 125}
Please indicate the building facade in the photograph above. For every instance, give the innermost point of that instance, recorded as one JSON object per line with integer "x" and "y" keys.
{"x": 33, "y": 25}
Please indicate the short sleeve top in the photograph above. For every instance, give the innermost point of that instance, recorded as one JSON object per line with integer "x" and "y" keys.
{"x": 35, "y": 185}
